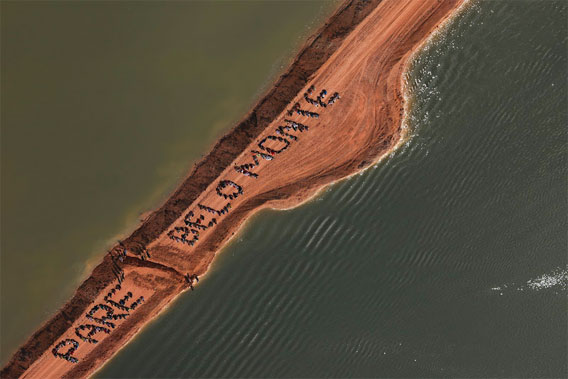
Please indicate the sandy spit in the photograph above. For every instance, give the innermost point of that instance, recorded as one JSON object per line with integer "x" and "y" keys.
{"x": 362, "y": 54}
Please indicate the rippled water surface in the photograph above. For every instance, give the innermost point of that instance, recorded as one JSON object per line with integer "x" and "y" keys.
{"x": 446, "y": 259}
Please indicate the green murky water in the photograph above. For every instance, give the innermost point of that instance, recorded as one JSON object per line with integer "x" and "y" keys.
{"x": 105, "y": 105}
{"x": 446, "y": 260}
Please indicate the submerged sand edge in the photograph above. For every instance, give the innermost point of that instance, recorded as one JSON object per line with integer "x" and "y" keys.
{"x": 169, "y": 281}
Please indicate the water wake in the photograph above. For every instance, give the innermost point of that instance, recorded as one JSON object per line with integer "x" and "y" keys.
{"x": 556, "y": 280}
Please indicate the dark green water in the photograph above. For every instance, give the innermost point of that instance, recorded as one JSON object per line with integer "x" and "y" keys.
{"x": 105, "y": 105}
{"x": 446, "y": 259}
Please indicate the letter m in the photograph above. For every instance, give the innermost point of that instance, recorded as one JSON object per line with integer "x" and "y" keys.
{"x": 245, "y": 169}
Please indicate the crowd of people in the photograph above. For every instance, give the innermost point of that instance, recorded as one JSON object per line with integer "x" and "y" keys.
{"x": 296, "y": 125}
{"x": 214, "y": 211}
{"x": 94, "y": 329}
{"x": 319, "y": 99}
{"x": 273, "y": 138}
{"x": 138, "y": 301}
{"x": 195, "y": 224}
{"x": 255, "y": 154}
{"x": 68, "y": 356}
{"x": 121, "y": 304}
{"x": 181, "y": 233}
{"x": 113, "y": 291}
{"x": 296, "y": 109}
{"x": 228, "y": 183}
{"x": 189, "y": 279}
{"x": 333, "y": 98}
{"x": 281, "y": 132}
{"x": 244, "y": 169}
{"x": 104, "y": 319}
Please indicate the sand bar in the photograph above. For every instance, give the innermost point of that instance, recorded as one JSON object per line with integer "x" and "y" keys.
{"x": 337, "y": 110}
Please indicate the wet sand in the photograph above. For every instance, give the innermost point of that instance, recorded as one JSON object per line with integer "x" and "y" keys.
{"x": 361, "y": 54}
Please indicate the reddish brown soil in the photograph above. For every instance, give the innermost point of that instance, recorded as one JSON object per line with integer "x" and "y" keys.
{"x": 361, "y": 52}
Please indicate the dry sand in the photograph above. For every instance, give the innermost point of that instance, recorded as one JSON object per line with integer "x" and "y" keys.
{"x": 361, "y": 53}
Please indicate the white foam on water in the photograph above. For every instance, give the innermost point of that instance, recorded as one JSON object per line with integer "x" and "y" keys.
{"x": 556, "y": 280}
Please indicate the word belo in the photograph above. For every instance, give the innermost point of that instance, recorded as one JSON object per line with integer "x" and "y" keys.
{"x": 103, "y": 318}
{"x": 269, "y": 147}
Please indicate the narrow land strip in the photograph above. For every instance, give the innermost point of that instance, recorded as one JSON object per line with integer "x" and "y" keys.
{"x": 337, "y": 110}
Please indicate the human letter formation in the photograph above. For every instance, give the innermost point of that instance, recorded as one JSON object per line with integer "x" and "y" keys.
{"x": 102, "y": 317}
{"x": 269, "y": 147}
{"x": 99, "y": 322}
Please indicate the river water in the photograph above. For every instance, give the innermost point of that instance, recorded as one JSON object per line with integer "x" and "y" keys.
{"x": 105, "y": 106}
{"x": 446, "y": 259}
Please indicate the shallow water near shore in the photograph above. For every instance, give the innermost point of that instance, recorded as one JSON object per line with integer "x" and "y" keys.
{"x": 105, "y": 106}
{"x": 446, "y": 259}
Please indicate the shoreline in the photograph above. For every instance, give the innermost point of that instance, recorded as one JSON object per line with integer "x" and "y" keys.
{"x": 161, "y": 277}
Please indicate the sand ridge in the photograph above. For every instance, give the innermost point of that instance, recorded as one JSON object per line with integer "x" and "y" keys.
{"x": 299, "y": 149}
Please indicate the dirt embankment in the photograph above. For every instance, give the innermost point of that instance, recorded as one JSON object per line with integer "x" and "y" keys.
{"x": 271, "y": 158}
{"x": 315, "y": 52}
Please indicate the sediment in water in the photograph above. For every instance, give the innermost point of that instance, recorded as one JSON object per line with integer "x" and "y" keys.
{"x": 362, "y": 52}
